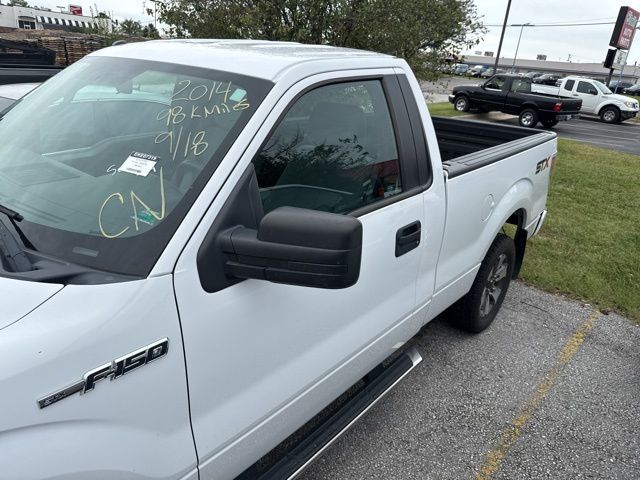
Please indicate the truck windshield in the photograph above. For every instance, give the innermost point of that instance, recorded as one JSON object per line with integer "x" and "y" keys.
{"x": 602, "y": 87}
{"x": 104, "y": 160}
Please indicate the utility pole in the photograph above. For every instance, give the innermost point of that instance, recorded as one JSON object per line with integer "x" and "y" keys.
{"x": 621, "y": 70}
{"x": 504, "y": 27}
{"x": 611, "y": 69}
{"x": 521, "y": 25}
{"x": 155, "y": 8}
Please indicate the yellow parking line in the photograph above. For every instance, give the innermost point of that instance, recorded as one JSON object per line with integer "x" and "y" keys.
{"x": 511, "y": 434}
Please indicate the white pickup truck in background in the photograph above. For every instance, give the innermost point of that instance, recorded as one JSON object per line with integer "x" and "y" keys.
{"x": 206, "y": 243}
{"x": 596, "y": 98}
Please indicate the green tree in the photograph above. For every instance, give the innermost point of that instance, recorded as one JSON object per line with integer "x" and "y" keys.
{"x": 423, "y": 32}
{"x": 130, "y": 27}
{"x": 19, "y": 3}
{"x": 101, "y": 22}
{"x": 150, "y": 31}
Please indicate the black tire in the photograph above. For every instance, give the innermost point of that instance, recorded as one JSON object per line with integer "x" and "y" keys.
{"x": 461, "y": 103}
{"x": 610, "y": 115}
{"x": 528, "y": 118}
{"x": 549, "y": 123}
{"x": 476, "y": 310}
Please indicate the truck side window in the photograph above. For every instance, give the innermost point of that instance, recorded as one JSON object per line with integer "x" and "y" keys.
{"x": 335, "y": 151}
{"x": 521, "y": 85}
{"x": 496, "y": 83}
{"x": 568, "y": 86}
{"x": 585, "y": 87}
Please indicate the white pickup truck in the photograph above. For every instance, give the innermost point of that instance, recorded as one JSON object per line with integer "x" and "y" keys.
{"x": 206, "y": 243}
{"x": 596, "y": 98}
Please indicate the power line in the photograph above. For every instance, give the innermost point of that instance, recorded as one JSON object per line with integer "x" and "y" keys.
{"x": 582, "y": 20}
{"x": 558, "y": 24}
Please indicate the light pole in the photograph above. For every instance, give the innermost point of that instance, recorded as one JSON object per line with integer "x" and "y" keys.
{"x": 521, "y": 25}
{"x": 504, "y": 27}
{"x": 155, "y": 7}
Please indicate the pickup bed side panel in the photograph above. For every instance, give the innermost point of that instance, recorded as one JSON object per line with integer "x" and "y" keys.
{"x": 478, "y": 204}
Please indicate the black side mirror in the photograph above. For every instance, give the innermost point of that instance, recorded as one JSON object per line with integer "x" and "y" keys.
{"x": 296, "y": 246}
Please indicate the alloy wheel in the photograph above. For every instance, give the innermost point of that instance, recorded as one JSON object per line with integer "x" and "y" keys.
{"x": 494, "y": 285}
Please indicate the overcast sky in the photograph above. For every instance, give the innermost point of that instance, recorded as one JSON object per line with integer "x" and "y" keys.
{"x": 584, "y": 43}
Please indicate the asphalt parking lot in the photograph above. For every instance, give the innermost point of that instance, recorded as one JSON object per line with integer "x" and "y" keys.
{"x": 550, "y": 390}
{"x": 624, "y": 137}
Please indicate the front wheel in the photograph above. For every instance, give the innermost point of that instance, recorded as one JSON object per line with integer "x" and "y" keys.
{"x": 462, "y": 104}
{"x": 528, "y": 118}
{"x": 476, "y": 310}
{"x": 610, "y": 115}
{"x": 549, "y": 123}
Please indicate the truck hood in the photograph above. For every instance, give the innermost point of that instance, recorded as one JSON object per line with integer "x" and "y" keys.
{"x": 18, "y": 297}
{"x": 620, "y": 98}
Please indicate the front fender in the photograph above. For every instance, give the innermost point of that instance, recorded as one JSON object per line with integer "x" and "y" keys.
{"x": 610, "y": 104}
{"x": 135, "y": 427}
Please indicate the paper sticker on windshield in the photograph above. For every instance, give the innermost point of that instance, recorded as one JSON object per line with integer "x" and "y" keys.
{"x": 238, "y": 95}
{"x": 139, "y": 163}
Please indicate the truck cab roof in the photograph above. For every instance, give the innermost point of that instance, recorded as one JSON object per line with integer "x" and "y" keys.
{"x": 262, "y": 59}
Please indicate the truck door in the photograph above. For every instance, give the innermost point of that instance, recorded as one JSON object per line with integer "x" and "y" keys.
{"x": 493, "y": 94}
{"x": 519, "y": 88}
{"x": 263, "y": 358}
{"x": 589, "y": 95}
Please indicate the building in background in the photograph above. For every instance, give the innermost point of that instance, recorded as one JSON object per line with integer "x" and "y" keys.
{"x": 592, "y": 70}
{"x": 40, "y": 18}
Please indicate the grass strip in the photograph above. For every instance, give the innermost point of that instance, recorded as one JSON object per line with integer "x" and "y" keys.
{"x": 589, "y": 246}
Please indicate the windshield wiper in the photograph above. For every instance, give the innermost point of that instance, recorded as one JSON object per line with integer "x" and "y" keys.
{"x": 14, "y": 254}
{"x": 11, "y": 213}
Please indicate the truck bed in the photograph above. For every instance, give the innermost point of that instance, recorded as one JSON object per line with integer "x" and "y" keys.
{"x": 466, "y": 145}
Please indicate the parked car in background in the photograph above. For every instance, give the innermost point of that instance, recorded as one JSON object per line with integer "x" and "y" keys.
{"x": 533, "y": 75}
{"x": 596, "y": 98}
{"x": 616, "y": 86}
{"x": 13, "y": 92}
{"x": 511, "y": 94}
{"x": 476, "y": 70}
{"x": 487, "y": 72}
{"x": 633, "y": 90}
{"x": 547, "y": 79}
{"x": 460, "y": 68}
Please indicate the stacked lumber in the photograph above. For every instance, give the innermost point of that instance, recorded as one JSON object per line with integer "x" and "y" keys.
{"x": 69, "y": 47}
{"x": 75, "y": 48}
{"x": 57, "y": 45}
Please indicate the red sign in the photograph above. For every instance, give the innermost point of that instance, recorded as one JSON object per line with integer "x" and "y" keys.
{"x": 75, "y": 9}
{"x": 625, "y": 28}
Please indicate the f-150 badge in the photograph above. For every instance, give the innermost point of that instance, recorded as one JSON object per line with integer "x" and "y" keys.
{"x": 114, "y": 369}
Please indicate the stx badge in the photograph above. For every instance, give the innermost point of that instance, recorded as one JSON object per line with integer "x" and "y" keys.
{"x": 544, "y": 164}
{"x": 114, "y": 369}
